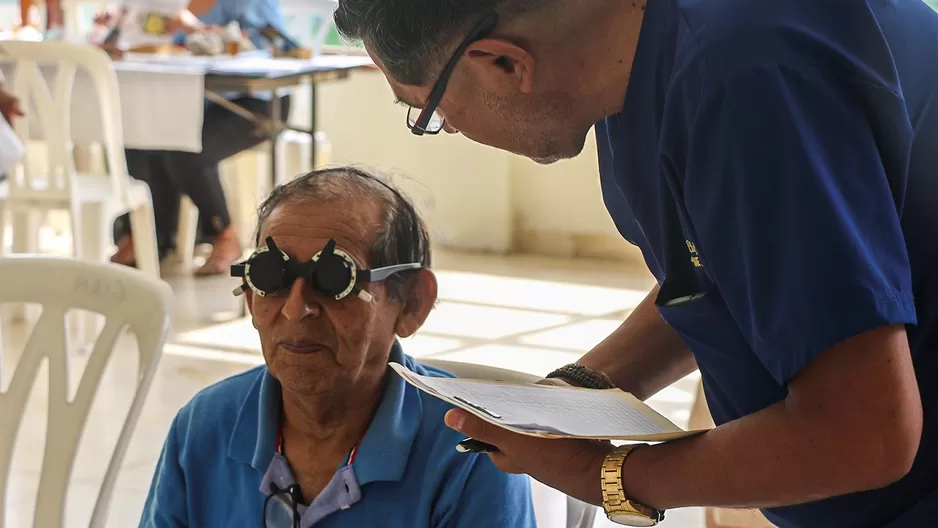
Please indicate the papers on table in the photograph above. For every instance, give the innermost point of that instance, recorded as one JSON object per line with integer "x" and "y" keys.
{"x": 342, "y": 61}
{"x": 264, "y": 66}
{"x": 11, "y": 148}
{"x": 258, "y": 66}
{"x": 144, "y": 23}
{"x": 249, "y": 64}
{"x": 550, "y": 411}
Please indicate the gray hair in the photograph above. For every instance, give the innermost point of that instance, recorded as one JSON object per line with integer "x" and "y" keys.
{"x": 402, "y": 238}
{"x": 413, "y": 37}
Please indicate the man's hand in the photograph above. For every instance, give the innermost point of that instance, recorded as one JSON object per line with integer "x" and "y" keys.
{"x": 184, "y": 22}
{"x": 9, "y": 105}
{"x": 571, "y": 466}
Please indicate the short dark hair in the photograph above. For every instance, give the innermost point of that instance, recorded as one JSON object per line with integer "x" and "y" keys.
{"x": 403, "y": 237}
{"x": 411, "y": 37}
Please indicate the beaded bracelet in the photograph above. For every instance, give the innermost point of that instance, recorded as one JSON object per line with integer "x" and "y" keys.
{"x": 584, "y": 377}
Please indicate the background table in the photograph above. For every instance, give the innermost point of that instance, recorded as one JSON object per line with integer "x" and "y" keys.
{"x": 162, "y": 105}
{"x": 272, "y": 75}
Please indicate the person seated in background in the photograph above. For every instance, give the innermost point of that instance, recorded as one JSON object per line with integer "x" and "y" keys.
{"x": 10, "y": 107}
{"x": 325, "y": 432}
{"x": 170, "y": 174}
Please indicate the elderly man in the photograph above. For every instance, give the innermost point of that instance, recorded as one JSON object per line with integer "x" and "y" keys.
{"x": 326, "y": 434}
{"x": 775, "y": 162}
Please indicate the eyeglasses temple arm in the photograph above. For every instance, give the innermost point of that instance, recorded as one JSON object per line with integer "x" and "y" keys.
{"x": 379, "y": 274}
{"x": 237, "y": 269}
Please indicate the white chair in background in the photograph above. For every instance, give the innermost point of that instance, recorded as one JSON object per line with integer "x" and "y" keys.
{"x": 578, "y": 514}
{"x": 93, "y": 201}
{"x": 128, "y": 299}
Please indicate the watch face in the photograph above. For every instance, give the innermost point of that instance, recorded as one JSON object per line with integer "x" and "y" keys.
{"x": 632, "y": 519}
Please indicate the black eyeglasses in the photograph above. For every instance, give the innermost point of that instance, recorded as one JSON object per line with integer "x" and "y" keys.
{"x": 428, "y": 120}
{"x": 331, "y": 272}
{"x": 281, "y": 507}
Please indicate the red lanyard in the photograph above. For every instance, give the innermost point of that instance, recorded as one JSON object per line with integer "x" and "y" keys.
{"x": 279, "y": 444}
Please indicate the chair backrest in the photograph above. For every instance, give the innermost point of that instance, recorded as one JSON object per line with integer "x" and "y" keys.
{"x": 127, "y": 298}
{"x": 44, "y": 78}
{"x": 579, "y": 514}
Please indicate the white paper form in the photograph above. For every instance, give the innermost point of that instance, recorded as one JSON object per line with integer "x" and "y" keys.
{"x": 551, "y": 411}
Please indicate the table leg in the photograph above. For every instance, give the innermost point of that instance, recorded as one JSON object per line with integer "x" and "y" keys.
{"x": 312, "y": 125}
{"x": 274, "y": 137}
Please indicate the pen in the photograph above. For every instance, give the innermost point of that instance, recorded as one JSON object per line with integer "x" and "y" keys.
{"x": 471, "y": 445}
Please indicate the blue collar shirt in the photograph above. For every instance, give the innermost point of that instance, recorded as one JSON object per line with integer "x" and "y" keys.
{"x": 219, "y": 459}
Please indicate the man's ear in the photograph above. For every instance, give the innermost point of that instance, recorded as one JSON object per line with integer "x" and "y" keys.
{"x": 419, "y": 300}
{"x": 500, "y": 65}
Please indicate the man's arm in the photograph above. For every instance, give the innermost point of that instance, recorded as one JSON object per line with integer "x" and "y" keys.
{"x": 644, "y": 355}
{"x": 852, "y": 422}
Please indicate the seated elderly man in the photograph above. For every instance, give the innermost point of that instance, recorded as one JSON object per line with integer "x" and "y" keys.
{"x": 325, "y": 433}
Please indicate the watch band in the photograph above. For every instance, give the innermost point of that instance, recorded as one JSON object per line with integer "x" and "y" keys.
{"x": 582, "y": 376}
{"x": 614, "y": 499}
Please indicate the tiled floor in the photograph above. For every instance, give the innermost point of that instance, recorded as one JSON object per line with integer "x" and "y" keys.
{"x": 522, "y": 313}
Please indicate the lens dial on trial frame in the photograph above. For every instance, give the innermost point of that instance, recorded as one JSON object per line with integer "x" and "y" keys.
{"x": 331, "y": 272}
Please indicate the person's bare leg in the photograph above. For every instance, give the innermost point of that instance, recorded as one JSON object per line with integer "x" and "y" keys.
{"x": 226, "y": 250}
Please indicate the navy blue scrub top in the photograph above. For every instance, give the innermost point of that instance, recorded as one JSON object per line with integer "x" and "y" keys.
{"x": 777, "y": 164}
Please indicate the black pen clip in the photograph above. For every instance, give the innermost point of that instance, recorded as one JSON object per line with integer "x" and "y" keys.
{"x": 478, "y": 407}
{"x": 471, "y": 445}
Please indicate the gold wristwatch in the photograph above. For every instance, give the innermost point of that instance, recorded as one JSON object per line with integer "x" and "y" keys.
{"x": 619, "y": 509}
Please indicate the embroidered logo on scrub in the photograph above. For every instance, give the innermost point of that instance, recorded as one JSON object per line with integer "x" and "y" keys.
{"x": 694, "y": 257}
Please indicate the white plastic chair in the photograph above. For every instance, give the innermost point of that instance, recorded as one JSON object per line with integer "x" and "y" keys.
{"x": 579, "y": 514}
{"x": 93, "y": 201}
{"x": 127, "y": 298}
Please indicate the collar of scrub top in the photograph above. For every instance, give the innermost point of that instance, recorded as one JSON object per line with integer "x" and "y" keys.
{"x": 331, "y": 272}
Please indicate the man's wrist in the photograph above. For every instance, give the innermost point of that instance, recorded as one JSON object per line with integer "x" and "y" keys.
{"x": 582, "y": 376}
{"x": 618, "y": 480}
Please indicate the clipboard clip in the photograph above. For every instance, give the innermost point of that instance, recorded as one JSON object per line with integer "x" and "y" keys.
{"x": 478, "y": 407}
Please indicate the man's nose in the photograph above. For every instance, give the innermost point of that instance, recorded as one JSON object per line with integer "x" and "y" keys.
{"x": 301, "y": 302}
{"x": 450, "y": 129}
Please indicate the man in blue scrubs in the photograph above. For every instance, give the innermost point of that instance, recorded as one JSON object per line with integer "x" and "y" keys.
{"x": 776, "y": 163}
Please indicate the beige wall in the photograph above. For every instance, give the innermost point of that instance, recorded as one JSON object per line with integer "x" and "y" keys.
{"x": 476, "y": 197}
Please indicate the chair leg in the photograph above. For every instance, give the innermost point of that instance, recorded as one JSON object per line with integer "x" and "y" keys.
{"x": 188, "y": 230}
{"x": 3, "y": 227}
{"x": 143, "y": 229}
{"x": 25, "y": 227}
{"x": 91, "y": 229}
{"x": 26, "y": 231}
{"x": 93, "y": 241}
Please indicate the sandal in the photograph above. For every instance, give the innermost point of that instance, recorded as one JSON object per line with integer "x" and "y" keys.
{"x": 226, "y": 250}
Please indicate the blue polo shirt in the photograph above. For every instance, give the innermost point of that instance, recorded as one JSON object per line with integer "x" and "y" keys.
{"x": 406, "y": 473}
{"x": 777, "y": 164}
